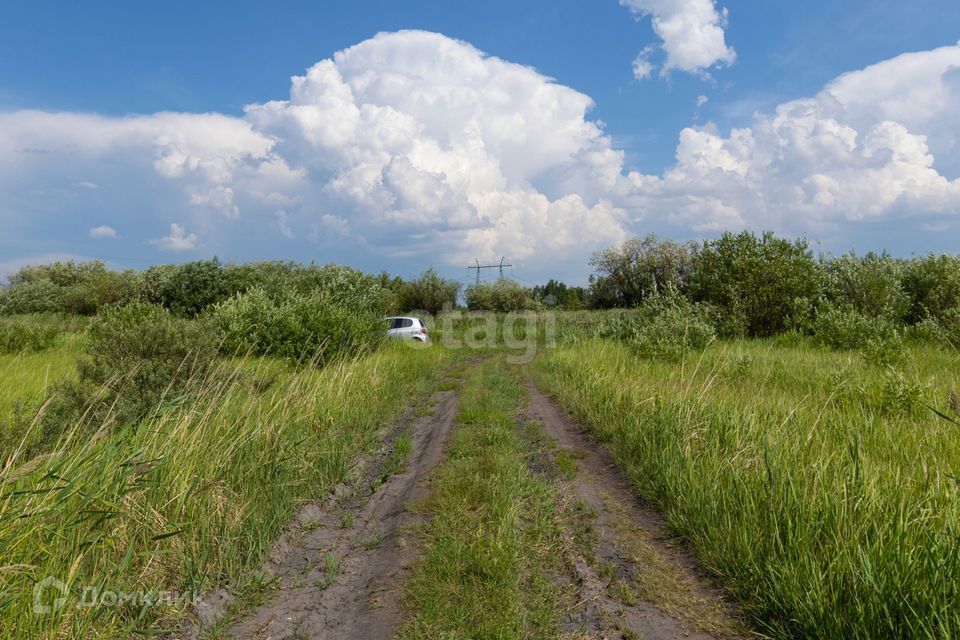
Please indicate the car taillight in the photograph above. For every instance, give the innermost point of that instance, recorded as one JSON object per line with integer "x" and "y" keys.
{"x": 423, "y": 329}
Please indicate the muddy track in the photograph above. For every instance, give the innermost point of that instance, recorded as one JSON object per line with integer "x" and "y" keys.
{"x": 341, "y": 565}
{"x": 340, "y": 578}
{"x": 632, "y": 580}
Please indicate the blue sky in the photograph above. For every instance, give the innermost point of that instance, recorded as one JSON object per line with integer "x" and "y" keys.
{"x": 81, "y": 178}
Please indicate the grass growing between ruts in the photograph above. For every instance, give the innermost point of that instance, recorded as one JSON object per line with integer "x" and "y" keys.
{"x": 191, "y": 498}
{"x": 817, "y": 486}
{"x": 493, "y": 540}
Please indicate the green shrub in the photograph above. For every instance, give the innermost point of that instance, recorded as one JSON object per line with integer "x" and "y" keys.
{"x": 246, "y": 321}
{"x": 17, "y": 336}
{"x": 139, "y": 353}
{"x": 340, "y": 285}
{"x": 933, "y": 284}
{"x": 272, "y": 275}
{"x": 191, "y": 288}
{"x": 847, "y": 328}
{"x": 134, "y": 357}
{"x": 731, "y": 320}
{"x": 187, "y": 289}
{"x": 872, "y": 285}
{"x": 950, "y": 320}
{"x": 760, "y": 286}
{"x": 62, "y": 274}
{"x": 628, "y": 273}
{"x": 429, "y": 293}
{"x": 666, "y": 325}
{"x": 36, "y": 296}
{"x": 878, "y": 337}
{"x": 898, "y": 394}
{"x": 299, "y": 327}
{"x": 945, "y": 331}
{"x": 503, "y": 296}
{"x": 931, "y": 331}
{"x": 69, "y": 287}
{"x": 100, "y": 290}
{"x": 886, "y": 350}
{"x": 559, "y": 295}
{"x": 739, "y": 368}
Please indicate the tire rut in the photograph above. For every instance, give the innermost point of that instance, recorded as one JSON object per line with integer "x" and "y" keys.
{"x": 632, "y": 581}
{"x": 339, "y": 581}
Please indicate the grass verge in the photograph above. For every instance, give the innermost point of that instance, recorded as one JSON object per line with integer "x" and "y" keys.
{"x": 191, "y": 498}
{"x": 816, "y": 486}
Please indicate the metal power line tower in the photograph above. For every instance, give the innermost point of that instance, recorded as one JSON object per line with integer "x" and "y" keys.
{"x": 489, "y": 266}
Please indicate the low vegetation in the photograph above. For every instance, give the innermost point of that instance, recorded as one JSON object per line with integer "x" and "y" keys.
{"x": 791, "y": 415}
{"x": 28, "y": 379}
{"x": 23, "y": 337}
{"x": 817, "y": 486}
{"x": 37, "y": 332}
{"x": 665, "y": 325}
{"x": 191, "y": 497}
{"x": 502, "y": 296}
{"x": 152, "y": 450}
{"x": 298, "y": 327}
{"x": 428, "y": 292}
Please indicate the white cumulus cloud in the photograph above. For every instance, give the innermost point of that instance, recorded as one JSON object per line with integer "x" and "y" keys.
{"x": 103, "y": 231}
{"x": 643, "y": 68}
{"x": 283, "y": 224}
{"x": 691, "y": 32}
{"x": 413, "y": 144}
{"x": 177, "y": 240}
{"x": 408, "y": 139}
{"x": 417, "y": 133}
{"x": 880, "y": 143}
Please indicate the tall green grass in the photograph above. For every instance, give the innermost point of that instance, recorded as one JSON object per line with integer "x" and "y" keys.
{"x": 190, "y": 498}
{"x": 26, "y": 379}
{"x": 818, "y": 488}
{"x": 31, "y": 333}
{"x": 36, "y": 352}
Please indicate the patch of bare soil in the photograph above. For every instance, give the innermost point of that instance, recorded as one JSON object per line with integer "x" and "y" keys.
{"x": 340, "y": 570}
{"x": 632, "y": 580}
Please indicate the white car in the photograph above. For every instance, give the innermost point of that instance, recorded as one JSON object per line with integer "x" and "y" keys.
{"x": 407, "y": 327}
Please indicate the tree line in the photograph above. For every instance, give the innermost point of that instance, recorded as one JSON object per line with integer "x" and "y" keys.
{"x": 762, "y": 285}
{"x": 752, "y": 285}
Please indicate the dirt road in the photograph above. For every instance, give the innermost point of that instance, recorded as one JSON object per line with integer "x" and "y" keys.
{"x": 631, "y": 578}
{"x": 342, "y": 567}
{"x": 341, "y": 578}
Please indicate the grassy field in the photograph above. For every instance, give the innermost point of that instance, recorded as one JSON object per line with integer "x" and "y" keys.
{"x": 27, "y": 379}
{"x": 27, "y": 376}
{"x": 191, "y": 498}
{"x": 818, "y": 488}
{"x": 26, "y": 372}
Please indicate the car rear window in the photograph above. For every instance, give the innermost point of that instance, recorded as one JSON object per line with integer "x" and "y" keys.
{"x": 406, "y": 322}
